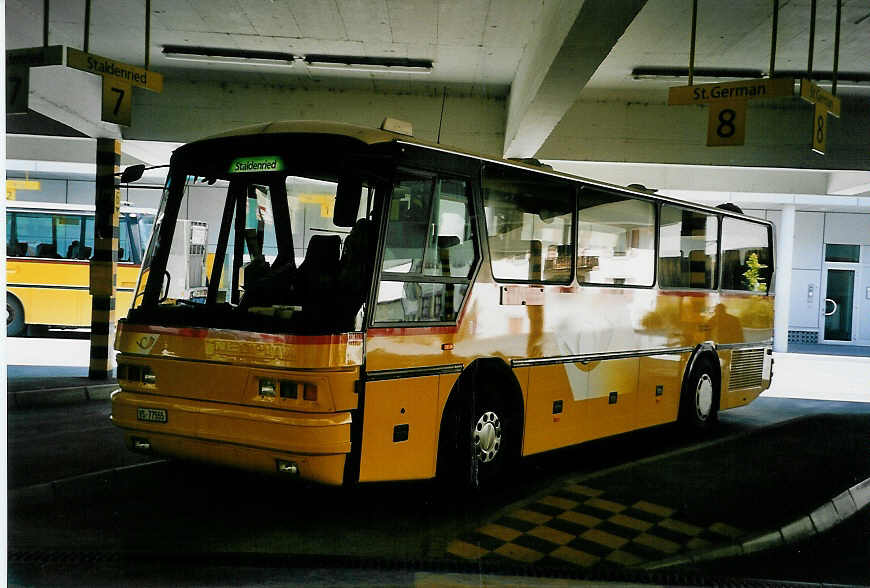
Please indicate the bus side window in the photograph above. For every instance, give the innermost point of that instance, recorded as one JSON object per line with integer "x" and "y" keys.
{"x": 617, "y": 239}
{"x": 68, "y": 233}
{"x": 35, "y": 232}
{"x": 687, "y": 250}
{"x": 529, "y": 221}
{"x": 745, "y": 256}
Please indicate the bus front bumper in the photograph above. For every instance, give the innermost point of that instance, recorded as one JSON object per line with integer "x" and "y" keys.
{"x": 308, "y": 445}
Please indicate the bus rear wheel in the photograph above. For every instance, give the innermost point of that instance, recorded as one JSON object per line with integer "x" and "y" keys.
{"x": 14, "y": 316}
{"x": 699, "y": 403}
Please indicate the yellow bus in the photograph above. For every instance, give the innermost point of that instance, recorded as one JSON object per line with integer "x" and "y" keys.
{"x": 48, "y": 250}
{"x": 383, "y": 308}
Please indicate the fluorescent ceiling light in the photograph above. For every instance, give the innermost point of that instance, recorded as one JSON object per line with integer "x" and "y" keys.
{"x": 848, "y": 79}
{"x": 233, "y": 56}
{"x": 369, "y": 64}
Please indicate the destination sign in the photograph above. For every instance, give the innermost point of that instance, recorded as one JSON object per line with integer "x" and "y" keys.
{"x": 730, "y": 91}
{"x": 35, "y": 56}
{"x": 263, "y": 163}
{"x": 813, "y": 94}
{"x": 106, "y": 67}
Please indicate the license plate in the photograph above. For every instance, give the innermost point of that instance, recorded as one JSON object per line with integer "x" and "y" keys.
{"x": 151, "y": 415}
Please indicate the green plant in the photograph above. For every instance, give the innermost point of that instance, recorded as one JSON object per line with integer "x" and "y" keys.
{"x": 752, "y": 275}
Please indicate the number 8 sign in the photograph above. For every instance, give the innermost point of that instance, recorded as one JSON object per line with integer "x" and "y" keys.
{"x": 726, "y": 123}
{"x": 820, "y": 127}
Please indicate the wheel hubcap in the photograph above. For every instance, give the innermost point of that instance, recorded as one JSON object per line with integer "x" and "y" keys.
{"x": 487, "y": 436}
{"x": 704, "y": 397}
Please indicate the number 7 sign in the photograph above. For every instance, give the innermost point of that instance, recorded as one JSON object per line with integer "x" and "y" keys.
{"x": 117, "y": 101}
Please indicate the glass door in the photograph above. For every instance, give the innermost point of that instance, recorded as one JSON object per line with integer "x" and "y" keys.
{"x": 839, "y": 299}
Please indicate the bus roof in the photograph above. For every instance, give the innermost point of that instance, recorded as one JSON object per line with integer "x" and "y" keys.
{"x": 372, "y": 136}
{"x": 64, "y": 207}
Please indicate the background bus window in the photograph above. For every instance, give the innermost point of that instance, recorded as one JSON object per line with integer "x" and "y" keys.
{"x": 430, "y": 236}
{"x": 68, "y": 232}
{"x": 745, "y": 256}
{"x": 617, "y": 240}
{"x": 687, "y": 248}
{"x": 529, "y": 225}
{"x": 33, "y": 232}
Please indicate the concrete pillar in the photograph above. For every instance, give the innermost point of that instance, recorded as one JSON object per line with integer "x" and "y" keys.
{"x": 104, "y": 263}
{"x": 784, "y": 253}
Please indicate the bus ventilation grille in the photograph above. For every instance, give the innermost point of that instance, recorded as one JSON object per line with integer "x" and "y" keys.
{"x": 747, "y": 366}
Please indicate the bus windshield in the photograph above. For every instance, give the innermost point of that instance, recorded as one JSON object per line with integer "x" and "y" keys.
{"x": 253, "y": 244}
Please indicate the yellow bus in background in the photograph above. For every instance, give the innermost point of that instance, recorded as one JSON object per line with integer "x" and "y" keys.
{"x": 48, "y": 250}
{"x": 383, "y": 308}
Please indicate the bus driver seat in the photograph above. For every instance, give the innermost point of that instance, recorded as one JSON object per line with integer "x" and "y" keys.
{"x": 355, "y": 270}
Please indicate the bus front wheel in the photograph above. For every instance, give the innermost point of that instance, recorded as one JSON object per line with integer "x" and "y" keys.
{"x": 483, "y": 436}
{"x": 699, "y": 404}
{"x": 14, "y": 316}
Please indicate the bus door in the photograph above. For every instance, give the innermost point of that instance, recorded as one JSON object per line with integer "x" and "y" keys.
{"x": 428, "y": 256}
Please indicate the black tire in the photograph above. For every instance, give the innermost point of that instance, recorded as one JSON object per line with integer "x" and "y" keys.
{"x": 699, "y": 401}
{"x": 481, "y": 434}
{"x": 14, "y": 316}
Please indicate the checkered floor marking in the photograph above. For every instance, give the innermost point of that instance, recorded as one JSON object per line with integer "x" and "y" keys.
{"x": 581, "y": 526}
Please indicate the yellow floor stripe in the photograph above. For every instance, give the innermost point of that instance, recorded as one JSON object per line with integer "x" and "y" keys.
{"x": 499, "y": 532}
{"x": 466, "y": 550}
{"x": 575, "y": 556}
{"x": 624, "y": 559}
{"x": 530, "y": 516}
{"x": 519, "y": 553}
{"x": 551, "y": 535}
{"x": 584, "y": 490}
{"x": 579, "y": 518}
{"x": 726, "y": 530}
{"x": 605, "y": 505}
{"x": 657, "y": 543}
{"x": 604, "y": 538}
{"x": 656, "y": 509}
{"x": 630, "y": 522}
{"x": 562, "y": 503}
{"x": 681, "y": 527}
{"x": 698, "y": 543}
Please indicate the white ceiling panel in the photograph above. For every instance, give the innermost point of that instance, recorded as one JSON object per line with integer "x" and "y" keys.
{"x": 270, "y": 18}
{"x": 413, "y": 21}
{"x": 319, "y": 19}
{"x": 365, "y": 20}
{"x": 462, "y": 22}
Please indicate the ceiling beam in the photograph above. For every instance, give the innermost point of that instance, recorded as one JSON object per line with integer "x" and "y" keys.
{"x": 566, "y": 48}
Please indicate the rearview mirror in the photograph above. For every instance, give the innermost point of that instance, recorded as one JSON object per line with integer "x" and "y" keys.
{"x": 132, "y": 173}
{"x": 347, "y": 198}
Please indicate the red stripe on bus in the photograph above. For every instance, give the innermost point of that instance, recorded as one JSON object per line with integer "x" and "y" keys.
{"x": 404, "y": 331}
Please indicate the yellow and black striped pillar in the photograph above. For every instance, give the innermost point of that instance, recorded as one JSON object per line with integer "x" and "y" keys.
{"x": 104, "y": 263}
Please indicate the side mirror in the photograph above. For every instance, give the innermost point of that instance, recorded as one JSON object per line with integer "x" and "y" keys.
{"x": 347, "y": 198}
{"x": 132, "y": 173}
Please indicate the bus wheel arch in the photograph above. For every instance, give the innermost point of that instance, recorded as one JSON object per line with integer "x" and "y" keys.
{"x": 14, "y": 316}
{"x": 701, "y": 391}
{"x": 481, "y": 426}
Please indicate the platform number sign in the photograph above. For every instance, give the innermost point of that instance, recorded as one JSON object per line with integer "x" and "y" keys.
{"x": 17, "y": 87}
{"x": 820, "y": 127}
{"x": 117, "y": 101}
{"x": 726, "y": 123}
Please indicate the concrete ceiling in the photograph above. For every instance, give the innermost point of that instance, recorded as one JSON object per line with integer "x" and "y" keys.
{"x": 474, "y": 44}
{"x": 543, "y": 56}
